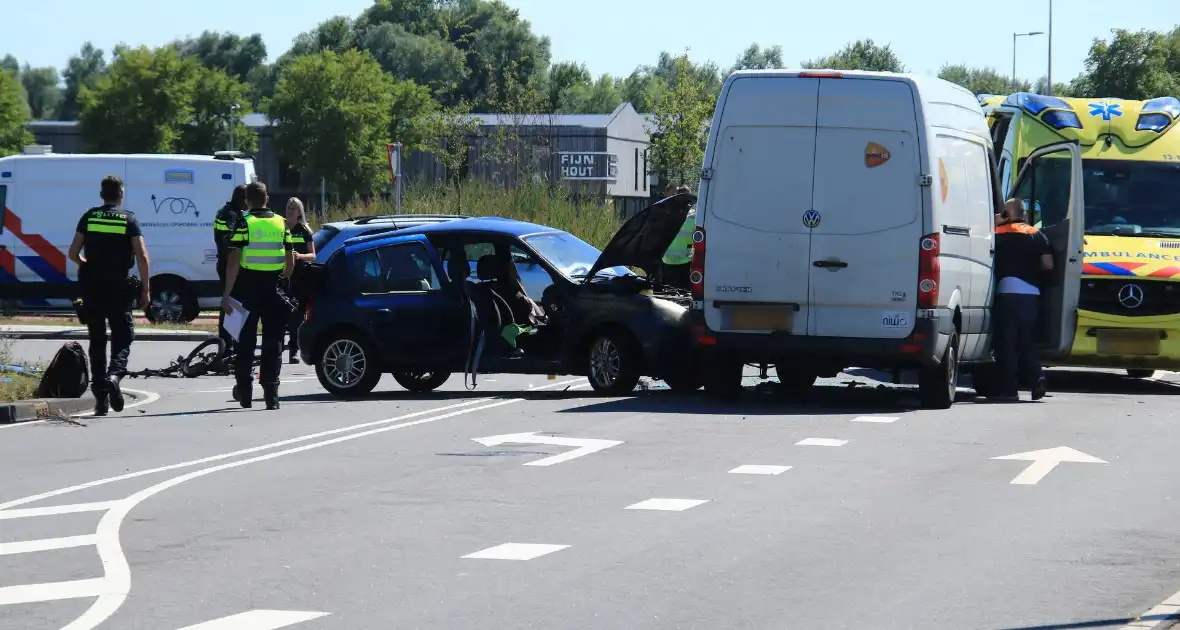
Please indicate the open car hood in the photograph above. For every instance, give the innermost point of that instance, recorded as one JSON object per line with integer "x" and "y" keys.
{"x": 643, "y": 239}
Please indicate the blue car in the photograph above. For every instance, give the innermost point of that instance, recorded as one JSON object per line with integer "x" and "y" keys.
{"x": 541, "y": 301}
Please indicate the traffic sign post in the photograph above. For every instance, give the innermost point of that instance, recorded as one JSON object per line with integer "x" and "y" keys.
{"x": 395, "y": 170}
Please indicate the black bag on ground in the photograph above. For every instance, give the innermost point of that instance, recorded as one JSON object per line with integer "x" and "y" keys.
{"x": 68, "y": 375}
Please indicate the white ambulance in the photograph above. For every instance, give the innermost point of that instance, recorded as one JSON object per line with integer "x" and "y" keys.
{"x": 175, "y": 198}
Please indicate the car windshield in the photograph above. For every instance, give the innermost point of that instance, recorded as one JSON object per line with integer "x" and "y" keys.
{"x": 1123, "y": 197}
{"x": 571, "y": 256}
{"x": 322, "y": 237}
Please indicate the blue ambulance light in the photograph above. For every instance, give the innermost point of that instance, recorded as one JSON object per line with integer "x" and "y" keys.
{"x": 1153, "y": 122}
{"x": 1062, "y": 120}
{"x": 1036, "y": 103}
{"x": 1169, "y": 105}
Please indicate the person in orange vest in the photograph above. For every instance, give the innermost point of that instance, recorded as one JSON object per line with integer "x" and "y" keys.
{"x": 1023, "y": 254}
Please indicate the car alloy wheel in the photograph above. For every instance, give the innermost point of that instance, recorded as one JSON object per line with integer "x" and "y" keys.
{"x": 167, "y": 306}
{"x": 605, "y": 362}
{"x": 344, "y": 363}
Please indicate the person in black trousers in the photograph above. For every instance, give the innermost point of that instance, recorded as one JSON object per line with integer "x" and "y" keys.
{"x": 1023, "y": 254}
{"x": 223, "y": 226}
{"x": 304, "y": 250}
{"x": 106, "y": 243}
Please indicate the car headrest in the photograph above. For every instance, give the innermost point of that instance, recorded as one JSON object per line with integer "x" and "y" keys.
{"x": 457, "y": 267}
{"x": 488, "y": 267}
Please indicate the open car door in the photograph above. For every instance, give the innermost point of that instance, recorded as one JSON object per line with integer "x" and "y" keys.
{"x": 1051, "y": 182}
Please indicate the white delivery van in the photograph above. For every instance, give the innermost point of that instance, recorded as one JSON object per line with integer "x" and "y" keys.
{"x": 175, "y": 198}
{"x": 847, "y": 219}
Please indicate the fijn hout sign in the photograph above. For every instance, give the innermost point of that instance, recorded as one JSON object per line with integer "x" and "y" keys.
{"x": 587, "y": 165}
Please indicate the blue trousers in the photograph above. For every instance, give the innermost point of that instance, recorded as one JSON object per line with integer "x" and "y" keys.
{"x": 1015, "y": 343}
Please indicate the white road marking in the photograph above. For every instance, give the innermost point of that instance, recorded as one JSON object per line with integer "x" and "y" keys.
{"x": 1044, "y": 461}
{"x": 1166, "y": 612}
{"x": 584, "y": 446}
{"x": 515, "y": 551}
{"x": 821, "y": 442}
{"x": 258, "y": 620}
{"x": 752, "y": 469}
{"x": 47, "y": 544}
{"x": 147, "y": 399}
{"x": 32, "y": 593}
{"x": 667, "y": 505}
{"x": 114, "y": 587}
{"x": 54, "y": 510}
{"x": 884, "y": 419}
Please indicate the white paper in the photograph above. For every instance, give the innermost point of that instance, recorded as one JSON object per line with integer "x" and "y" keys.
{"x": 235, "y": 320}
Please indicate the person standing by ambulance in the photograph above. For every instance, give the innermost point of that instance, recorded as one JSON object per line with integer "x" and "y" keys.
{"x": 223, "y": 226}
{"x": 107, "y": 242}
{"x": 260, "y": 257}
{"x": 678, "y": 258}
{"x": 1023, "y": 254}
{"x": 304, "y": 253}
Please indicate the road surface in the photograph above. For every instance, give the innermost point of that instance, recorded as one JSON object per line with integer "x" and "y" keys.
{"x": 531, "y": 503}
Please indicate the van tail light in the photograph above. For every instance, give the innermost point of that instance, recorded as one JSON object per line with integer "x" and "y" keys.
{"x": 696, "y": 270}
{"x": 821, "y": 75}
{"x": 929, "y": 272}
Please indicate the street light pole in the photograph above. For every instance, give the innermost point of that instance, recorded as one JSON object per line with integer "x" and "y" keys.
{"x": 1014, "y": 36}
{"x": 1049, "y": 77}
{"x": 233, "y": 111}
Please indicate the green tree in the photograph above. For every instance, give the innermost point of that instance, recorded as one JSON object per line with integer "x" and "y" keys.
{"x": 1059, "y": 89}
{"x": 82, "y": 71}
{"x": 564, "y": 76}
{"x": 1132, "y": 65}
{"x": 860, "y": 55}
{"x": 411, "y": 116}
{"x": 233, "y": 54}
{"x": 336, "y": 34}
{"x": 681, "y": 118}
{"x": 44, "y": 92}
{"x": 643, "y": 90}
{"x": 982, "y": 80}
{"x": 600, "y": 97}
{"x": 499, "y": 46}
{"x": 212, "y": 97}
{"x": 451, "y": 128}
{"x": 424, "y": 59}
{"x": 757, "y": 58}
{"x": 14, "y": 115}
{"x": 332, "y": 115}
{"x": 143, "y": 103}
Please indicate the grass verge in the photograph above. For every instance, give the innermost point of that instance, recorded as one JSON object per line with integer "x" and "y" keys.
{"x": 14, "y": 385}
{"x": 593, "y": 223}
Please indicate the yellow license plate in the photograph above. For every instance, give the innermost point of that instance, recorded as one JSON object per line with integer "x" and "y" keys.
{"x": 1139, "y": 342}
{"x": 760, "y": 317}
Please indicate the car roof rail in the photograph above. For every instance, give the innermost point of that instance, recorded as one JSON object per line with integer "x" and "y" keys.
{"x": 405, "y": 217}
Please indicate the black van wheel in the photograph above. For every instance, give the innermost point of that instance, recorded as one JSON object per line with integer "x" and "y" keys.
{"x": 794, "y": 380}
{"x": 937, "y": 385}
{"x": 347, "y": 366}
{"x": 723, "y": 379}
{"x": 172, "y": 301}
{"x": 421, "y": 382}
{"x": 1140, "y": 373}
{"x": 612, "y": 367}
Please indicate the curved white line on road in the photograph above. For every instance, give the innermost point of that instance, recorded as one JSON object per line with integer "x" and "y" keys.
{"x": 117, "y": 582}
{"x": 147, "y": 399}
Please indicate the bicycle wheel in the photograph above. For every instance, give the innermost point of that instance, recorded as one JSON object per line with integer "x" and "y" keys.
{"x": 203, "y": 357}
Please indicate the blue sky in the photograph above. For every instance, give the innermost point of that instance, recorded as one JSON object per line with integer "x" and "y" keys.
{"x": 617, "y": 35}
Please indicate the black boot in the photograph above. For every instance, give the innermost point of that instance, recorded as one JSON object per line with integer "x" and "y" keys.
{"x": 244, "y": 394}
{"x": 101, "y": 406}
{"x": 270, "y": 393}
{"x": 115, "y": 393}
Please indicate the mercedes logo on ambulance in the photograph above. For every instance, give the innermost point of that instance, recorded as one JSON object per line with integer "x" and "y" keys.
{"x": 811, "y": 219}
{"x": 1131, "y": 296}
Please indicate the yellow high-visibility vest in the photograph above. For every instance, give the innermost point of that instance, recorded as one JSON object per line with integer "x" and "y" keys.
{"x": 266, "y": 242}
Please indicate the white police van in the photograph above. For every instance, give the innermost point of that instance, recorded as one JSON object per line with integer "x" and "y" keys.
{"x": 175, "y": 198}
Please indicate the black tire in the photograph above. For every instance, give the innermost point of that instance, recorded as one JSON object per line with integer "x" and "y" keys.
{"x": 205, "y": 357}
{"x": 612, "y": 364}
{"x": 795, "y": 381}
{"x": 937, "y": 385}
{"x": 1140, "y": 373}
{"x": 421, "y": 382}
{"x": 348, "y": 366}
{"x": 723, "y": 379}
{"x": 173, "y": 301}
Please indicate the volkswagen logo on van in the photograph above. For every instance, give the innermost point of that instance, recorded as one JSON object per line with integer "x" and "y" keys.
{"x": 811, "y": 219}
{"x": 1131, "y": 296}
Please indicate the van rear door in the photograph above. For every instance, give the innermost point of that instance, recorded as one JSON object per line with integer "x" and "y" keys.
{"x": 756, "y": 277}
{"x": 1051, "y": 178}
{"x": 868, "y": 197}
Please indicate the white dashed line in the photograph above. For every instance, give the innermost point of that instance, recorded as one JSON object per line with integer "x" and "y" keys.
{"x": 667, "y": 505}
{"x": 515, "y": 551}
{"x": 759, "y": 469}
{"x": 821, "y": 442}
{"x": 1166, "y": 612}
{"x": 258, "y": 620}
{"x": 47, "y": 544}
{"x": 884, "y": 419}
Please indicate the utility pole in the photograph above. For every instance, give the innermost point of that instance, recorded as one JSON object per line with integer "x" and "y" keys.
{"x": 1014, "y": 36}
{"x": 1049, "y": 79}
{"x": 233, "y": 114}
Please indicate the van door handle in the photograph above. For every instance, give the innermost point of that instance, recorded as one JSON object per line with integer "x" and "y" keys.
{"x": 829, "y": 264}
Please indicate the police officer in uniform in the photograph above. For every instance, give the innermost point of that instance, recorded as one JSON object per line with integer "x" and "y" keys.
{"x": 223, "y": 226}
{"x": 678, "y": 258}
{"x": 106, "y": 243}
{"x": 301, "y": 239}
{"x": 260, "y": 257}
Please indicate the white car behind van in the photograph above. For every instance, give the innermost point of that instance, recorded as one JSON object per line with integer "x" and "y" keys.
{"x": 847, "y": 219}
{"x": 175, "y": 198}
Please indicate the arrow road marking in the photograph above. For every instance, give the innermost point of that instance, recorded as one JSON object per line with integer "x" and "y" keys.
{"x": 1044, "y": 461}
{"x": 258, "y": 620}
{"x": 584, "y": 446}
